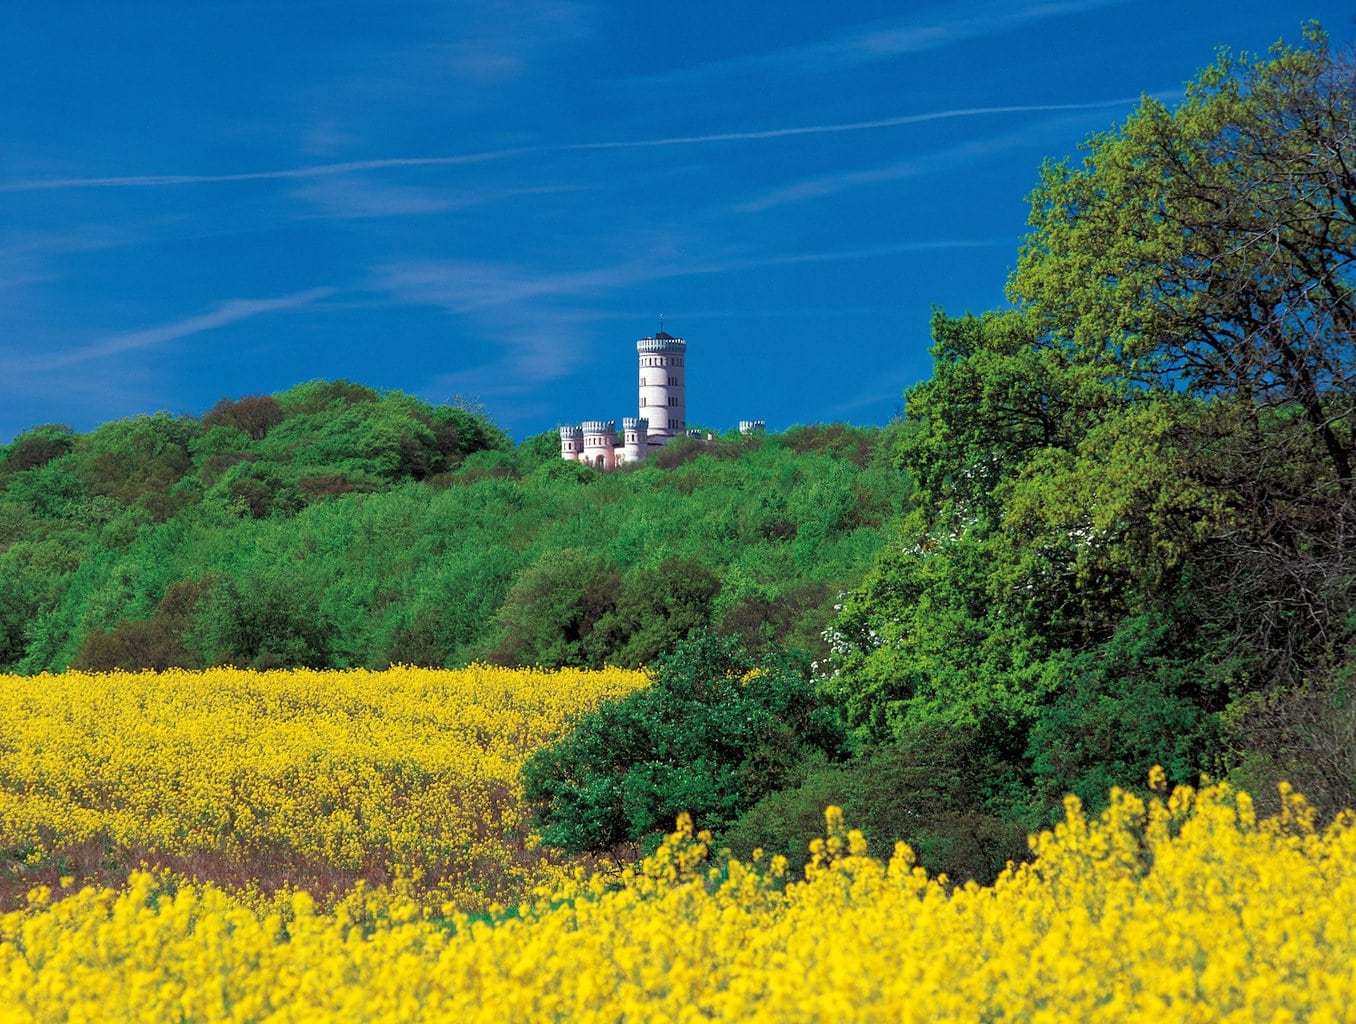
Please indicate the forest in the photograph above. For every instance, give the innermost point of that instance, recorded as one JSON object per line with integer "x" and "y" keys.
{"x": 1116, "y": 529}
{"x": 335, "y": 526}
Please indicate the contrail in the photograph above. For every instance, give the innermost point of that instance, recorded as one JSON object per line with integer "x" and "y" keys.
{"x": 852, "y": 126}
{"x": 321, "y": 170}
{"x": 312, "y": 171}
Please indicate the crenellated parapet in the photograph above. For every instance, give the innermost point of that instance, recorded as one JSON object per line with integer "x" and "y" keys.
{"x": 635, "y": 438}
{"x": 661, "y": 344}
{"x": 600, "y": 443}
{"x": 663, "y": 385}
{"x": 571, "y": 443}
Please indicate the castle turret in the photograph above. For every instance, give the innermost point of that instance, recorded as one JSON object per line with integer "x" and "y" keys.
{"x": 600, "y": 443}
{"x": 663, "y": 393}
{"x": 635, "y": 438}
{"x": 752, "y": 426}
{"x": 571, "y": 444}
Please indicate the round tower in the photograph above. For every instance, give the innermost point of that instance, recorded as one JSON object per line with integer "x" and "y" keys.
{"x": 571, "y": 444}
{"x": 635, "y": 438}
{"x": 600, "y": 443}
{"x": 663, "y": 393}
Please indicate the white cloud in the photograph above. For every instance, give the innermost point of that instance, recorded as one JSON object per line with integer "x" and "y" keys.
{"x": 882, "y": 41}
{"x": 348, "y": 167}
{"x": 224, "y": 313}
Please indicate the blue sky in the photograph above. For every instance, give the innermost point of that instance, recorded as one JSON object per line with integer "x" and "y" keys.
{"x": 492, "y": 201}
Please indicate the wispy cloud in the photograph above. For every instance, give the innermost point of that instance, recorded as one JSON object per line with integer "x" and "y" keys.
{"x": 884, "y": 40}
{"x": 224, "y": 313}
{"x": 467, "y": 286}
{"x": 819, "y": 186}
{"x": 933, "y": 162}
{"x": 395, "y": 163}
{"x": 311, "y": 171}
{"x": 854, "y": 126}
{"x": 359, "y": 197}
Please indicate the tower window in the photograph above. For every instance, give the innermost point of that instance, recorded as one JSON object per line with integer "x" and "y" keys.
{"x": 673, "y": 382}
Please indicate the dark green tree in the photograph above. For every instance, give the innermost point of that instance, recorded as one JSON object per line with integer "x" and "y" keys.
{"x": 713, "y": 733}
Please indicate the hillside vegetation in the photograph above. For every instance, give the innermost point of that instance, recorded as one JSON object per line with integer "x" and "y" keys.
{"x": 336, "y": 526}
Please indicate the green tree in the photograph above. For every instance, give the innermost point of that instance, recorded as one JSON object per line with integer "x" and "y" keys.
{"x": 712, "y": 734}
{"x": 1211, "y": 249}
{"x": 1160, "y": 430}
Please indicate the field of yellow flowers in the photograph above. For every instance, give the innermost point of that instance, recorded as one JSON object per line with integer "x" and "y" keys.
{"x": 310, "y": 779}
{"x": 1180, "y": 906}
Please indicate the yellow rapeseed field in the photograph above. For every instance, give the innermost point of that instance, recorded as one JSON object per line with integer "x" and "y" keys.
{"x": 1178, "y": 907}
{"x": 313, "y": 779}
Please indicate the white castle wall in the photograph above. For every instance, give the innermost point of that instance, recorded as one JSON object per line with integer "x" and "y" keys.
{"x": 571, "y": 444}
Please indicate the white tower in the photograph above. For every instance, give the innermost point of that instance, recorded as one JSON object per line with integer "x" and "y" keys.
{"x": 663, "y": 394}
{"x": 571, "y": 444}
{"x": 635, "y": 438}
{"x": 600, "y": 443}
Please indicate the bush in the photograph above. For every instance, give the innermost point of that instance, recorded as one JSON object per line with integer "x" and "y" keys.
{"x": 942, "y": 790}
{"x": 157, "y": 642}
{"x": 37, "y": 447}
{"x": 715, "y": 732}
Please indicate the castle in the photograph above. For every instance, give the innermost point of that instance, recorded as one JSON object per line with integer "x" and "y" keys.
{"x": 662, "y": 415}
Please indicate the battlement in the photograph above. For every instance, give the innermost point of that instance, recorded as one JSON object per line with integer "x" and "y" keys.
{"x": 752, "y": 426}
{"x": 635, "y": 423}
{"x": 567, "y": 433}
{"x": 661, "y": 342}
{"x": 598, "y": 426}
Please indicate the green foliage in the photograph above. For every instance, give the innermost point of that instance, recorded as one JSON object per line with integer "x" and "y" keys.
{"x": 138, "y": 461}
{"x": 551, "y": 610}
{"x": 713, "y": 733}
{"x": 253, "y": 415}
{"x": 155, "y": 643}
{"x": 1134, "y": 497}
{"x": 36, "y": 447}
{"x": 934, "y": 788}
{"x": 656, "y": 607}
{"x": 264, "y": 621}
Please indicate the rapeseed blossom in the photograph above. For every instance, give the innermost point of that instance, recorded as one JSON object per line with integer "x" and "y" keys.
{"x": 300, "y": 778}
{"x": 1178, "y": 909}
{"x": 1179, "y": 906}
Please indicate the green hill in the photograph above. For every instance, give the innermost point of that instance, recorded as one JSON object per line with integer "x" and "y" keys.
{"x": 333, "y": 525}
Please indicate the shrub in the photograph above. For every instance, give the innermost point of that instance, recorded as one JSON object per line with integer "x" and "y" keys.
{"x": 714, "y": 732}
{"x": 935, "y": 789}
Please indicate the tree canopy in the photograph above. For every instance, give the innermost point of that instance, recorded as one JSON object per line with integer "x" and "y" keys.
{"x": 1134, "y": 507}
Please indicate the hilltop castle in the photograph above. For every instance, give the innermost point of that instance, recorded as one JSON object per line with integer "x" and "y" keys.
{"x": 662, "y": 415}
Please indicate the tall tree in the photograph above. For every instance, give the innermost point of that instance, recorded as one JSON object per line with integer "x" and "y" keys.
{"x": 1210, "y": 249}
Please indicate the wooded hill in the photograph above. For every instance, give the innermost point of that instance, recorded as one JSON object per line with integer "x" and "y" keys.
{"x": 332, "y": 525}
